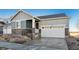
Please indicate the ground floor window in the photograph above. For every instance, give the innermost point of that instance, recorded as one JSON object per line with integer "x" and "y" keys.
{"x": 1, "y": 30}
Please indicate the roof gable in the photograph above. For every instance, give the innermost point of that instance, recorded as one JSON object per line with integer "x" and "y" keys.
{"x": 21, "y": 14}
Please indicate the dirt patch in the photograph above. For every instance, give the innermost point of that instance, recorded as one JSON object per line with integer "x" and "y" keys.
{"x": 73, "y": 43}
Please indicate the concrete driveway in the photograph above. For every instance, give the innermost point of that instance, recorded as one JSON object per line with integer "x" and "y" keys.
{"x": 50, "y": 44}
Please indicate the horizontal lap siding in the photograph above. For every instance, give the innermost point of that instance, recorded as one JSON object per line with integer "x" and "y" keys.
{"x": 21, "y": 16}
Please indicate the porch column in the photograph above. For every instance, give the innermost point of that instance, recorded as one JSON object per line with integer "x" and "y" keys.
{"x": 33, "y": 23}
{"x": 33, "y": 29}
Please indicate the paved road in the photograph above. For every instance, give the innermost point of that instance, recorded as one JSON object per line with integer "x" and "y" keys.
{"x": 43, "y": 44}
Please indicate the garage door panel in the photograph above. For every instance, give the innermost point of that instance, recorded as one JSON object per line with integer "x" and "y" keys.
{"x": 53, "y": 33}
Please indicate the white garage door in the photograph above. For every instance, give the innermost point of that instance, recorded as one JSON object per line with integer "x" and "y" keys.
{"x": 53, "y": 33}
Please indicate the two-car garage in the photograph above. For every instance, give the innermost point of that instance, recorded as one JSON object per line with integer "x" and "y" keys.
{"x": 54, "y": 25}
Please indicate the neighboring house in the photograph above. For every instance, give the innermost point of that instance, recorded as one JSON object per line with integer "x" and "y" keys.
{"x": 2, "y": 24}
{"x": 56, "y": 25}
{"x": 7, "y": 29}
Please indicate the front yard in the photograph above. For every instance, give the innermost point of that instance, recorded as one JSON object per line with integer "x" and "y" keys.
{"x": 15, "y": 42}
{"x": 42, "y": 44}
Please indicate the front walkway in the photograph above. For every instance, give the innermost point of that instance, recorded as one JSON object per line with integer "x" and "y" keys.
{"x": 43, "y": 44}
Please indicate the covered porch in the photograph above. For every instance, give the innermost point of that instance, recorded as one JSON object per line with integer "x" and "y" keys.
{"x": 29, "y": 28}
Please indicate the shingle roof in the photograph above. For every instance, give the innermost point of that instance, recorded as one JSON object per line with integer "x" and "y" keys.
{"x": 2, "y": 21}
{"x": 52, "y": 16}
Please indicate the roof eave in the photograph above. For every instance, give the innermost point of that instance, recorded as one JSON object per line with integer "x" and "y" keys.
{"x": 56, "y": 18}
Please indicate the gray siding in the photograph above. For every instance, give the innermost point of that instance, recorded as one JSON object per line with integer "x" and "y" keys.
{"x": 22, "y": 16}
{"x": 63, "y": 22}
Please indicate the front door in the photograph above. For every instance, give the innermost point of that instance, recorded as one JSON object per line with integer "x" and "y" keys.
{"x": 37, "y": 25}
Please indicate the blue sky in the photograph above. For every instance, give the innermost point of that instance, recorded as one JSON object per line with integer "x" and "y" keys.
{"x": 72, "y": 13}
